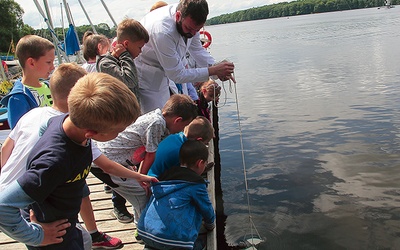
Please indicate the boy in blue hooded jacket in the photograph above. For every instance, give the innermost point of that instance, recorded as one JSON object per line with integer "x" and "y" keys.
{"x": 179, "y": 202}
{"x": 36, "y": 56}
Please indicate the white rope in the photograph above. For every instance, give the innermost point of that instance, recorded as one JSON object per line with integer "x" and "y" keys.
{"x": 251, "y": 222}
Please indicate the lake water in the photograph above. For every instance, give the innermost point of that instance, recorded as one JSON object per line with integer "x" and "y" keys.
{"x": 319, "y": 99}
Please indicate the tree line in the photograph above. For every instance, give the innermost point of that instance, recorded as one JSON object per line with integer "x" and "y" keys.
{"x": 300, "y": 7}
{"x": 12, "y": 27}
{"x": 101, "y": 28}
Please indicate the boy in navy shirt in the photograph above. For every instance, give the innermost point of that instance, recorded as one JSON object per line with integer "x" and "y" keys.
{"x": 100, "y": 107}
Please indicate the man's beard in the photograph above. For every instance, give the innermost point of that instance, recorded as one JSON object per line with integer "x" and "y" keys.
{"x": 180, "y": 30}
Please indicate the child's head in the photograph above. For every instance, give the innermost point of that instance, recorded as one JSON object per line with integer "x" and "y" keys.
{"x": 95, "y": 45}
{"x": 132, "y": 35}
{"x": 199, "y": 129}
{"x": 179, "y": 111}
{"x": 157, "y": 5}
{"x": 87, "y": 34}
{"x": 62, "y": 81}
{"x": 210, "y": 90}
{"x": 194, "y": 154}
{"x": 102, "y": 104}
{"x": 38, "y": 52}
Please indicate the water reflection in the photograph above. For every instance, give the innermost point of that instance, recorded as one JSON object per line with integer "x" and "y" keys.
{"x": 318, "y": 101}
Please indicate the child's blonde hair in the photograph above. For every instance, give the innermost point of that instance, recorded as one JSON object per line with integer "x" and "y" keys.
{"x": 180, "y": 105}
{"x": 32, "y": 46}
{"x": 157, "y": 5}
{"x": 191, "y": 151}
{"x": 200, "y": 127}
{"x": 99, "y": 101}
{"x": 132, "y": 30}
{"x": 63, "y": 79}
{"x": 90, "y": 46}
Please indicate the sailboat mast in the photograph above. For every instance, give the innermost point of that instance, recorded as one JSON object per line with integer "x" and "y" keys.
{"x": 70, "y": 20}
{"x": 51, "y": 29}
{"x": 46, "y": 8}
{"x": 87, "y": 17}
{"x": 62, "y": 22}
{"x": 105, "y": 7}
{"x": 67, "y": 12}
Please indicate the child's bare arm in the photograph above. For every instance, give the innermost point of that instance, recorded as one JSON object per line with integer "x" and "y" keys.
{"x": 113, "y": 168}
{"x": 6, "y": 150}
{"x": 147, "y": 162}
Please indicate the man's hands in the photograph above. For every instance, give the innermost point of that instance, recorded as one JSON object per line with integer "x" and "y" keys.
{"x": 223, "y": 70}
{"x": 53, "y": 231}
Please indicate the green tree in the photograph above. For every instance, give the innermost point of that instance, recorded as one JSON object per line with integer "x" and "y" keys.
{"x": 26, "y": 30}
{"x": 299, "y": 7}
{"x": 11, "y": 23}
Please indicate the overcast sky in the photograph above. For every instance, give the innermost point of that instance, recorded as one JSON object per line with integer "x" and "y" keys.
{"x": 119, "y": 9}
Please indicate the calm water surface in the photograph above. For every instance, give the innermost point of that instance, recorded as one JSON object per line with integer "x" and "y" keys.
{"x": 319, "y": 105}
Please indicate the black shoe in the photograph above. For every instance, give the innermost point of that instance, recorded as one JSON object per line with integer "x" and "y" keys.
{"x": 208, "y": 167}
{"x": 137, "y": 237}
{"x": 122, "y": 216}
{"x": 107, "y": 189}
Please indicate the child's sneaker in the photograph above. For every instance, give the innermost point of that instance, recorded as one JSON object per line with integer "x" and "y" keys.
{"x": 107, "y": 189}
{"x": 105, "y": 241}
{"x": 137, "y": 237}
{"x": 122, "y": 216}
{"x": 208, "y": 167}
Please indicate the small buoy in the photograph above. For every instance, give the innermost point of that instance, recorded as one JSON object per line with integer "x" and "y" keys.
{"x": 206, "y": 39}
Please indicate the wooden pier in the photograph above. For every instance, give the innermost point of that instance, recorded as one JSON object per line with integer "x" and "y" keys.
{"x": 102, "y": 207}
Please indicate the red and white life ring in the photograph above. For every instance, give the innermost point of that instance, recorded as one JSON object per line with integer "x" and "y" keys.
{"x": 206, "y": 38}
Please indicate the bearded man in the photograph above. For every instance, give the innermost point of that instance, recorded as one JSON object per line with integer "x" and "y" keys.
{"x": 174, "y": 31}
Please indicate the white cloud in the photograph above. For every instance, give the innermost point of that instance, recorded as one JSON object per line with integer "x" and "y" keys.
{"x": 119, "y": 9}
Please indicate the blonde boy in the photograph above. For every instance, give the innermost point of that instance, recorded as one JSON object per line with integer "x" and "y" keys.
{"x": 23, "y": 137}
{"x": 99, "y": 107}
{"x": 20, "y": 141}
{"x": 35, "y": 55}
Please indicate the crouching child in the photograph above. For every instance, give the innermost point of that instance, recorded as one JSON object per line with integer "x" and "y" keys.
{"x": 179, "y": 203}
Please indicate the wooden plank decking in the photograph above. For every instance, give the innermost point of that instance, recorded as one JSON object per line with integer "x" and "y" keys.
{"x": 102, "y": 207}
